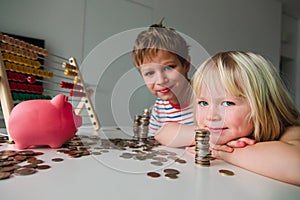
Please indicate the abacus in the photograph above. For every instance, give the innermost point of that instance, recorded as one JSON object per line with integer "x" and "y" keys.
{"x": 22, "y": 76}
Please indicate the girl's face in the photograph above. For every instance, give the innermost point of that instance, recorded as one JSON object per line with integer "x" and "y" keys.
{"x": 227, "y": 117}
{"x": 165, "y": 76}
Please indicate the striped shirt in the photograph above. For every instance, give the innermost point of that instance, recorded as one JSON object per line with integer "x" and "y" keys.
{"x": 164, "y": 112}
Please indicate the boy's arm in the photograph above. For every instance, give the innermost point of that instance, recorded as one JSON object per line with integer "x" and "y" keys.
{"x": 176, "y": 135}
{"x": 275, "y": 159}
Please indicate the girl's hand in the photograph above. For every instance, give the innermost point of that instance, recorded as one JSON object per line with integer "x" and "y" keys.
{"x": 229, "y": 146}
{"x": 241, "y": 142}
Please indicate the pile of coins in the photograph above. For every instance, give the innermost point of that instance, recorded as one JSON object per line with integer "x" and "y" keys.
{"x": 25, "y": 162}
{"x": 141, "y": 125}
{"x": 20, "y": 163}
{"x": 202, "y": 155}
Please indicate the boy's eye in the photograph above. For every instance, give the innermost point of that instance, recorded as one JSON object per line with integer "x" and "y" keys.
{"x": 228, "y": 103}
{"x": 148, "y": 73}
{"x": 168, "y": 68}
{"x": 202, "y": 103}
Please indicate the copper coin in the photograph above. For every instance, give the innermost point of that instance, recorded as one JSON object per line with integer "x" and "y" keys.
{"x": 4, "y": 175}
{"x": 25, "y": 171}
{"x": 57, "y": 159}
{"x": 226, "y": 172}
{"x": 171, "y": 171}
{"x": 43, "y": 167}
{"x": 30, "y": 166}
{"x": 181, "y": 161}
{"x": 20, "y": 158}
{"x": 38, "y": 153}
{"x": 153, "y": 174}
{"x": 171, "y": 176}
{"x": 31, "y": 158}
{"x": 9, "y": 168}
{"x": 26, "y": 153}
{"x": 35, "y": 161}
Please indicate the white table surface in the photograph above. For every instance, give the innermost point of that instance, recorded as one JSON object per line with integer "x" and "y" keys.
{"x": 110, "y": 177}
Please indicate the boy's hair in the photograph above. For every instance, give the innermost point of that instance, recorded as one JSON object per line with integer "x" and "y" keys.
{"x": 158, "y": 37}
{"x": 253, "y": 77}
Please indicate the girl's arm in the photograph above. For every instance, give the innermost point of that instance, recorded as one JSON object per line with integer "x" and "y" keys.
{"x": 275, "y": 159}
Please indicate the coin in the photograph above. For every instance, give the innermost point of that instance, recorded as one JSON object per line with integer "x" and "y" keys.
{"x": 171, "y": 176}
{"x": 226, "y": 172}
{"x": 156, "y": 163}
{"x": 171, "y": 171}
{"x": 25, "y": 171}
{"x": 35, "y": 161}
{"x": 181, "y": 161}
{"x": 43, "y": 167}
{"x": 9, "y": 168}
{"x": 57, "y": 159}
{"x": 4, "y": 175}
{"x": 153, "y": 174}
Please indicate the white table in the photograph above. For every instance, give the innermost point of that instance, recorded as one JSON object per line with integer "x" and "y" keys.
{"x": 110, "y": 177}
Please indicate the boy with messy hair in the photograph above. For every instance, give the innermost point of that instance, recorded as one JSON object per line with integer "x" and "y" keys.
{"x": 162, "y": 57}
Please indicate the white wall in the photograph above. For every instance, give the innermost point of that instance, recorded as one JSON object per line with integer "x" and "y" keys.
{"x": 298, "y": 69}
{"x": 100, "y": 35}
{"x": 290, "y": 56}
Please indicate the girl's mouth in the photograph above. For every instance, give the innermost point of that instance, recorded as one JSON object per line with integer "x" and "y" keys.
{"x": 216, "y": 129}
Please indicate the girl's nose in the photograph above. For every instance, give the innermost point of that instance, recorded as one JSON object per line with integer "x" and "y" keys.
{"x": 213, "y": 114}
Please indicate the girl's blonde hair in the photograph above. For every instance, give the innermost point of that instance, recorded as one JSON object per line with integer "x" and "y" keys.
{"x": 158, "y": 37}
{"x": 251, "y": 76}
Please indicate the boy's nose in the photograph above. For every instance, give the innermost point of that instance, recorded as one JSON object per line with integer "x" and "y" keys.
{"x": 161, "y": 78}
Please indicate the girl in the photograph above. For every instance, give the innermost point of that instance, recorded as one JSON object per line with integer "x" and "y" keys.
{"x": 242, "y": 101}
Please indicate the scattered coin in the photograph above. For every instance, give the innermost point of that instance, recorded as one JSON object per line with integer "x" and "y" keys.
{"x": 4, "y": 175}
{"x": 30, "y": 166}
{"x": 37, "y": 161}
{"x": 171, "y": 176}
{"x": 171, "y": 171}
{"x": 181, "y": 161}
{"x": 9, "y": 168}
{"x": 226, "y": 172}
{"x": 153, "y": 174}
{"x": 96, "y": 153}
{"x": 57, "y": 159}
{"x": 41, "y": 167}
{"x": 25, "y": 171}
{"x": 156, "y": 163}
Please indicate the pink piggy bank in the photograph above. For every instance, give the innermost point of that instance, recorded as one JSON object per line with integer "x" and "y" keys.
{"x": 43, "y": 122}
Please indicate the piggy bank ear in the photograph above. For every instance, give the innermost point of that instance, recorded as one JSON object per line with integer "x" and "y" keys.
{"x": 59, "y": 100}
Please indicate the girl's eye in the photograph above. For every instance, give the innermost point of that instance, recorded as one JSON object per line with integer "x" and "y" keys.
{"x": 168, "y": 68}
{"x": 228, "y": 103}
{"x": 202, "y": 103}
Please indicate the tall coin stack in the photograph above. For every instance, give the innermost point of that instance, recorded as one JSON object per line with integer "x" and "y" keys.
{"x": 202, "y": 156}
{"x": 141, "y": 125}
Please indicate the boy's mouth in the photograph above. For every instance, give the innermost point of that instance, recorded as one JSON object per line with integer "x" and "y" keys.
{"x": 165, "y": 90}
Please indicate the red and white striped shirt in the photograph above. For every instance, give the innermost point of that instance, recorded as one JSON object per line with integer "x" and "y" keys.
{"x": 165, "y": 111}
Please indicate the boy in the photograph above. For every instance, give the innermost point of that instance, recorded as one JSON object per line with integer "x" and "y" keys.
{"x": 162, "y": 57}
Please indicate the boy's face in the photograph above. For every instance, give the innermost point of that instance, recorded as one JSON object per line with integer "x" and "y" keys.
{"x": 165, "y": 76}
{"x": 227, "y": 117}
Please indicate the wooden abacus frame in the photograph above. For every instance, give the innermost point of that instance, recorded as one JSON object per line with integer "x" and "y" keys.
{"x": 10, "y": 44}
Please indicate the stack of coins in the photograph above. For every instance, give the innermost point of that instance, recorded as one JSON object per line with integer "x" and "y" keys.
{"x": 141, "y": 125}
{"x": 136, "y": 126}
{"x": 202, "y": 147}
